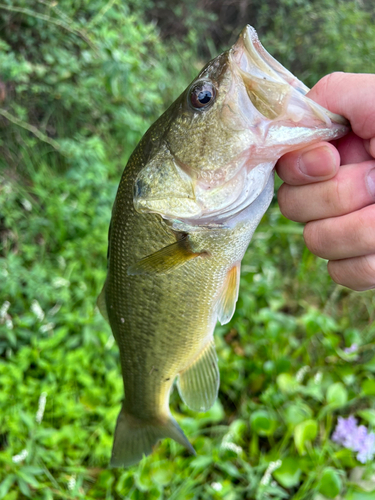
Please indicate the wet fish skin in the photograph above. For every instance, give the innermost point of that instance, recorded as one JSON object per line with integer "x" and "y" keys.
{"x": 189, "y": 200}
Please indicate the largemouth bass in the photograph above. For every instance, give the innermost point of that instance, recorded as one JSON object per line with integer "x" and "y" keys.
{"x": 189, "y": 201}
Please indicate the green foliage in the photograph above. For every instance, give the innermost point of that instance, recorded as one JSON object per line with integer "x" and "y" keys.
{"x": 304, "y": 433}
{"x": 83, "y": 80}
{"x": 310, "y": 37}
{"x": 319, "y": 37}
{"x": 330, "y": 483}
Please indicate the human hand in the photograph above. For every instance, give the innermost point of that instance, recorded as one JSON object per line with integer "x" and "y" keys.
{"x": 337, "y": 204}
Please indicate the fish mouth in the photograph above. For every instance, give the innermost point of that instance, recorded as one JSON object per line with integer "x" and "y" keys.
{"x": 267, "y": 109}
{"x": 273, "y": 90}
{"x": 281, "y": 118}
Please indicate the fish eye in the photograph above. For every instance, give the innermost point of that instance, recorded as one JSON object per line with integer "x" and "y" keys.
{"x": 202, "y": 95}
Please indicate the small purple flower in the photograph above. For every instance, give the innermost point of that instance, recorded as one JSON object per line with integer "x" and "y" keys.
{"x": 351, "y": 349}
{"x": 356, "y": 438}
{"x": 367, "y": 449}
{"x": 345, "y": 432}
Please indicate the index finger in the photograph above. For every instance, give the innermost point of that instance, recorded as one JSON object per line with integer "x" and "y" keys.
{"x": 351, "y": 95}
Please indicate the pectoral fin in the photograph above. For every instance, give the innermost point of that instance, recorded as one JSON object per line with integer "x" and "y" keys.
{"x": 198, "y": 385}
{"x": 165, "y": 260}
{"x": 226, "y": 304}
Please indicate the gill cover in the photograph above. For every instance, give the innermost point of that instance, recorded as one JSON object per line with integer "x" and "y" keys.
{"x": 229, "y": 128}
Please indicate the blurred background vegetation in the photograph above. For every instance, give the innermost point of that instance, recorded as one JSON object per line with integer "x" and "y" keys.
{"x": 80, "y": 82}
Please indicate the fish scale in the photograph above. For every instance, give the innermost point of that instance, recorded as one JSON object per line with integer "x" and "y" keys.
{"x": 188, "y": 203}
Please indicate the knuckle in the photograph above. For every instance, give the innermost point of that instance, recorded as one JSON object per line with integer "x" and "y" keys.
{"x": 365, "y": 228}
{"x": 335, "y": 270}
{"x": 357, "y": 274}
{"x": 342, "y": 198}
{"x": 286, "y": 202}
{"x": 368, "y": 267}
{"x": 313, "y": 238}
{"x": 287, "y": 168}
{"x": 366, "y": 273}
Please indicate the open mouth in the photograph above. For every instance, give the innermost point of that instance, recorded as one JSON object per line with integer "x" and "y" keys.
{"x": 267, "y": 107}
{"x": 273, "y": 90}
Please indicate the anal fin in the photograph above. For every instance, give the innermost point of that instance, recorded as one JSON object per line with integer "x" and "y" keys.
{"x": 198, "y": 385}
{"x": 226, "y": 304}
{"x": 165, "y": 260}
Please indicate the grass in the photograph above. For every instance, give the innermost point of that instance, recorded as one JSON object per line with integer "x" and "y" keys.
{"x": 285, "y": 377}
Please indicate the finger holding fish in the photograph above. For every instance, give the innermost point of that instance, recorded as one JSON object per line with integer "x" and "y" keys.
{"x": 351, "y": 189}
{"x": 339, "y": 210}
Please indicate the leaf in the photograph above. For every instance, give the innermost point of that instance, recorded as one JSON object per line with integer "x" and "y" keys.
{"x": 201, "y": 462}
{"x": 229, "y": 468}
{"x": 6, "y": 484}
{"x": 330, "y": 483}
{"x": 370, "y": 366}
{"x": 162, "y": 472}
{"x": 287, "y": 383}
{"x": 359, "y": 495}
{"x": 28, "y": 477}
{"x": 289, "y": 473}
{"x": 337, "y": 395}
{"x": 305, "y": 432}
{"x": 368, "y": 387}
{"x": 297, "y": 413}
{"x": 24, "y": 487}
{"x": 368, "y": 415}
{"x": 263, "y": 423}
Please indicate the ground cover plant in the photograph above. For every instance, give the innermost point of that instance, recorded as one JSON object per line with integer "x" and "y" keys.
{"x": 80, "y": 83}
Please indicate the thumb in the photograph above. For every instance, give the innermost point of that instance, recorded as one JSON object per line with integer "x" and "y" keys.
{"x": 351, "y": 95}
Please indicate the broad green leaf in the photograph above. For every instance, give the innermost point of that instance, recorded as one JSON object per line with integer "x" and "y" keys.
{"x": 262, "y": 423}
{"x": 294, "y": 414}
{"x": 368, "y": 415}
{"x": 162, "y": 472}
{"x": 289, "y": 473}
{"x": 330, "y": 483}
{"x": 337, "y": 395}
{"x": 305, "y": 432}
{"x": 359, "y": 495}
{"x": 368, "y": 387}
{"x": 287, "y": 383}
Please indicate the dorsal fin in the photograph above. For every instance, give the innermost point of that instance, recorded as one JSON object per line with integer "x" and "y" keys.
{"x": 165, "y": 260}
{"x": 198, "y": 385}
{"x": 100, "y": 302}
{"x": 226, "y": 304}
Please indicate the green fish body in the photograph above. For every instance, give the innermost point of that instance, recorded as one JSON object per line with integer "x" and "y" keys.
{"x": 189, "y": 201}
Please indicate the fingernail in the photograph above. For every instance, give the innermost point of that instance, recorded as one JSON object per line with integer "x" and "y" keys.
{"x": 371, "y": 182}
{"x": 318, "y": 162}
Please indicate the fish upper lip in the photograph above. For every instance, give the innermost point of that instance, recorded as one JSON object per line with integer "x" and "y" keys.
{"x": 256, "y": 65}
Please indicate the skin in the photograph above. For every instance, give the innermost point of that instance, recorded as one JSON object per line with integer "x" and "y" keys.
{"x": 331, "y": 186}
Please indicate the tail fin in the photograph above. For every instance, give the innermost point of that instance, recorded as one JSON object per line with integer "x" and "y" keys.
{"x": 135, "y": 437}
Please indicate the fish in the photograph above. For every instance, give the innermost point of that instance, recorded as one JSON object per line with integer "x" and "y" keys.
{"x": 189, "y": 200}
